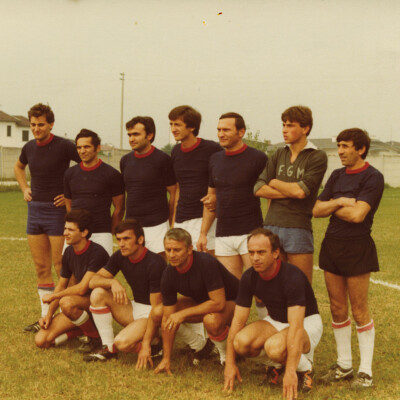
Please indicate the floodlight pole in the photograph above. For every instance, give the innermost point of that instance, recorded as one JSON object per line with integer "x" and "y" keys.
{"x": 122, "y": 108}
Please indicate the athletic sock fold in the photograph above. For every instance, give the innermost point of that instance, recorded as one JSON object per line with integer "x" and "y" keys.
{"x": 342, "y": 333}
{"x": 366, "y": 341}
{"x": 103, "y": 318}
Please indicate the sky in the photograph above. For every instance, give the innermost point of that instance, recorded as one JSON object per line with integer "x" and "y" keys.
{"x": 341, "y": 58}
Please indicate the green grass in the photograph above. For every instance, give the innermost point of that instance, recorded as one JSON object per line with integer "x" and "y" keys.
{"x": 59, "y": 373}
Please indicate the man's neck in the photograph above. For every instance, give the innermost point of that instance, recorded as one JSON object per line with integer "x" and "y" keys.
{"x": 236, "y": 147}
{"x": 91, "y": 163}
{"x": 145, "y": 150}
{"x": 189, "y": 141}
{"x": 358, "y": 165}
{"x": 296, "y": 148}
{"x": 78, "y": 247}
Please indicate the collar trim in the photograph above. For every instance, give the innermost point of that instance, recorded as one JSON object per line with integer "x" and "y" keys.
{"x": 97, "y": 165}
{"x": 269, "y": 278}
{"x": 137, "y": 155}
{"x": 234, "y": 153}
{"x": 140, "y": 258}
{"x": 78, "y": 253}
{"x": 188, "y": 149}
{"x": 41, "y": 144}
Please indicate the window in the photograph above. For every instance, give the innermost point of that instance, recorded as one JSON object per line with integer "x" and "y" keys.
{"x": 8, "y": 130}
{"x": 25, "y": 136}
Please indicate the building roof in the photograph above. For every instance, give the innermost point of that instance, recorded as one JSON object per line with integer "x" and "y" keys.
{"x": 17, "y": 119}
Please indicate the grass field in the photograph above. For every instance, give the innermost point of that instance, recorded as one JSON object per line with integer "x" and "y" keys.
{"x": 59, "y": 373}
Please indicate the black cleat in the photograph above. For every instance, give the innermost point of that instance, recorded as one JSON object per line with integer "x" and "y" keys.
{"x": 273, "y": 375}
{"x": 102, "y": 355}
{"x": 362, "y": 381}
{"x": 337, "y": 374}
{"x": 88, "y": 344}
{"x": 35, "y": 327}
{"x": 305, "y": 381}
{"x": 157, "y": 349}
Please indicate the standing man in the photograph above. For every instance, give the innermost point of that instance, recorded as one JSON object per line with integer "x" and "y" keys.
{"x": 142, "y": 270}
{"x": 190, "y": 160}
{"x": 291, "y": 180}
{"x": 148, "y": 176}
{"x": 207, "y": 289}
{"x": 93, "y": 185}
{"x": 233, "y": 173}
{"x": 348, "y": 253}
{"x": 286, "y": 339}
{"x": 80, "y": 261}
{"x": 48, "y": 156}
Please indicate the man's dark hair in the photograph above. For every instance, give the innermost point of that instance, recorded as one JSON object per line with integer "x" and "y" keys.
{"x": 239, "y": 121}
{"x": 180, "y": 235}
{"x": 82, "y": 218}
{"x": 41, "y": 109}
{"x": 359, "y": 138}
{"x": 273, "y": 239}
{"x": 190, "y": 116}
{"x": 84, "y": 133}
{"x": 131, "y": 224}
{"x": 147, "y": 122}
{"x": 300, "y": 114}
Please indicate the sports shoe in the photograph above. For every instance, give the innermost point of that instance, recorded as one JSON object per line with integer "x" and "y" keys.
{"x": 35, "y": 327}
{"x": 273, "y": 375}
{"x": 305, "y": 381}
{"x": 204, "y": 353}
{"x": 336, "y": 374}
{"x": 102, "y": 355}
{"x": 88, "y": 344}
{"x": 362, "y": 381}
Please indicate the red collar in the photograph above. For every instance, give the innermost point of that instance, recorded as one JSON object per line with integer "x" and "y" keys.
{"x": 137, "y": 155}
{"x": 269, "y": 278}
{"x": 41, "y": 144}
{"x": 188, "y": 266}
{"x": 78, "y": 253}
{"x": 97, "y": 165}
{"x": 140, "y": 258}
{"x": 356, "y": 171}
{"x": 233, "y": 153}
{"x": 188, "y": 149}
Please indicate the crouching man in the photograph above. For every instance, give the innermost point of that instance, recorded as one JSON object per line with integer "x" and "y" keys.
{"x": 81, "y": 260}
{"x": 207, "y": 289}
{"x": 286, "y": 339}
{"x": 142, "y": 270}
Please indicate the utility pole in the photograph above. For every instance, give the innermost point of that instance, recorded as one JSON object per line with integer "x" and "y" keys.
{"x": 122, "y": 108}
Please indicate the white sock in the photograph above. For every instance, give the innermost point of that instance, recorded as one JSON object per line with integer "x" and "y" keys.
{"x": 82, "y": 319}
{"x": 304, "y": 364}
{"x": 103, "y": 318}
{"x": 190, "y": 334}
{"x": 60, "y": 339}
{"x": 366, "y": 339}
{"x": 342, "y": 332}
{"x": 42, "y": 290}
{"x": 221, "y": 346}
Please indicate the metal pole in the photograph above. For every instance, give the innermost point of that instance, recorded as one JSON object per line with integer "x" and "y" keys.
{"x": 122, "y": 108}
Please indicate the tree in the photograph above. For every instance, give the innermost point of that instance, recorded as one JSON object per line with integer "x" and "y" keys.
{"x": 253, "y": 141}
{"x": 167, "y": 148}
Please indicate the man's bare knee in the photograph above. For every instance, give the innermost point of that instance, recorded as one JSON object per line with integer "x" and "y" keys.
{"x": 157, "y": 313}
{"x": 67, "y": 305}
{"x": 242, "y": 344}
{"x": 122, "y": 343}
{"x": 213, "y": 324}
{"x": 339, "y": 311}
{"x": 41, "y": 340}
{"x": 98, "y": 296}
{"x": 275, "y": 348}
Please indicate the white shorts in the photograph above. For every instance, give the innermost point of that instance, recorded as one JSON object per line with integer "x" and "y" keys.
{"x": 140, "y": 310}
{"x": 154, "y": 237}
{"x": 231, "y": 245}
{"x": 312, "y": 325}
{"x": 193, "y": 226}
{"x": 104, "y": 239}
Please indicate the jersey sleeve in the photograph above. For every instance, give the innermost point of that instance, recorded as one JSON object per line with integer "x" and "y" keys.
{"x": 99, "y": 260}
{"x": 73, "y": 153}
{"x": 211, "y": 162}
{"x": 372, "y": 190}
{"x": 295, "y": 289}
{"x": 67, "y": 187}
{"x": 156, "y": 272}
{"x": 117, "y": 184}
{"x": 245, "y": 294}
{"x": 211, "y": 273}
{"x": 168, "y": 171}
{"x": 315, "y": 171}
{"x": 23, "y": 158}
{"x": 113, "y": 265}
{"x": 327, "y": 193}
{"x": 267, "y": 173}
{"x": 168, "y": 289}
{"x": 65, "y": 271}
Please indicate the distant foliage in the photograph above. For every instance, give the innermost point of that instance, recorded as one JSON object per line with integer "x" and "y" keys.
{"x": 167, "y": 148}
{"x": 253, "y": 141}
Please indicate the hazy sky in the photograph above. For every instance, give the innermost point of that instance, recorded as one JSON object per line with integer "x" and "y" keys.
{"x": 341, "y": 58}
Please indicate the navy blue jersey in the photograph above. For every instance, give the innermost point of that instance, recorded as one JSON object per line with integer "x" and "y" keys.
{"x": 146, "y": 177}
{"x": 233, "y": 175}
{"x": 205, "y": 274}
{"x": 143, "y": 275}
{"x": 365, "y": 184}
{"x": 191, "y": 171}
{"x": 92, "y": 258}
{"x": 287, "y": 288}
{"x": 92, "y": 189}
{"x": 47, "y": 163}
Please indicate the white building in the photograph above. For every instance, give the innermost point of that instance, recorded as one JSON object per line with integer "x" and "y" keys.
{"x": 14, "y": 130}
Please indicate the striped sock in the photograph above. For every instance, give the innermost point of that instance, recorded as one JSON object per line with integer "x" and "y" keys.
{"x": 342, "y": 333}
{"x": 366, "y": 340}
{"x": 103, "y": 319}
{"x": 86, "y": 324}
{"x": 220, "y": 343}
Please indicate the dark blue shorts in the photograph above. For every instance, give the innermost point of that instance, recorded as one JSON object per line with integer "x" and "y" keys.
{"x": 294, "y": 240}
{"x": 45, "y": 217}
